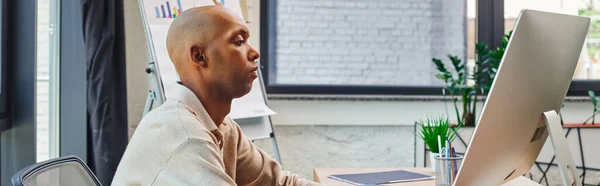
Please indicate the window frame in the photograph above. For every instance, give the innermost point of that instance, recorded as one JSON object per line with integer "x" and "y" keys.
{"x": 489, "y": 20}
{"x": 73, "y": 133}
{"x": 17, "y": 145}
{"x": 4, "y": 105}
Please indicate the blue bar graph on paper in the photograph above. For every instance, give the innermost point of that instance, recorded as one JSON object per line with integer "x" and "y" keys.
{"x": 172, "y": 10}
{"x": 169, "y": 9}
{"x": 179, "y": 4}
{"x": 449, "y": 168}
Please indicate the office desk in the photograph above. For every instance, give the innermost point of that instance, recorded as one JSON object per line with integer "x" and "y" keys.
{"x": 321, "y": 175}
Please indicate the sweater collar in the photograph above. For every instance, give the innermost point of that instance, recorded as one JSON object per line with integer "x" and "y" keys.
{"x": 190, "y": 100}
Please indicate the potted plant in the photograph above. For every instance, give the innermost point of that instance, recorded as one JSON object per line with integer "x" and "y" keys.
{"x": 429, "y": 130}
{"x": 483, "y": 73}
{"x": 457, "y": 86}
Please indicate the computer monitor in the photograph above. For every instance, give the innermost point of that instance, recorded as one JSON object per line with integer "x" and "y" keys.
{"x": 533, "y": 78}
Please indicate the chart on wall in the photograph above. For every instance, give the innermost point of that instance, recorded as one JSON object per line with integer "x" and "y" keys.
{"x": 159, "y": 14}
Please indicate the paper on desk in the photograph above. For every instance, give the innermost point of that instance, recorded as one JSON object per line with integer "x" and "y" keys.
{"x": 396, "y": 176}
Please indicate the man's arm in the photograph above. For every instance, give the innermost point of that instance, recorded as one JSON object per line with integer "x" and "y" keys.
{"x": 255, "y": 167}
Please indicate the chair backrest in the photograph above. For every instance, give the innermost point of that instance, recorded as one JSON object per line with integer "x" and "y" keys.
{"x": 68, "y": 170}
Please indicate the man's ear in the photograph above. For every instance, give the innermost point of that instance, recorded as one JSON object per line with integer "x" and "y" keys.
{"x": 197, "y": 55}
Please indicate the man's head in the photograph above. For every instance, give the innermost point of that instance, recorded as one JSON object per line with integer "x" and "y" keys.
{"x": 209, "y": 48}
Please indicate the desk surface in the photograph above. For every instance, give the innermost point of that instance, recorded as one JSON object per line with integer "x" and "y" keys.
{"x": 321, "y": 175}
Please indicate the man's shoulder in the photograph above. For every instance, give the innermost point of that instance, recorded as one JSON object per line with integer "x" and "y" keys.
{"x": 169, "y": 110}
{"x": 173, "y": 116}
{"x": 166, "y": 127}
{"x": 146, "y": 164}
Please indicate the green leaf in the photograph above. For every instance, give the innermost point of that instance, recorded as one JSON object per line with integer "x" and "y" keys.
{"x": 506, "y": 38}
{"x": 441, "y": 76}
{"x": 591, "y": 94}
{"x": 432, "y": 127}
{"x": 439, "y": 65}
{"x": 593, "y": 98}
{"x": 456, "y": 62}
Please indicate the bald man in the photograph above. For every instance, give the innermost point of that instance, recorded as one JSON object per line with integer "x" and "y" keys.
{"x": 189, "y": 140}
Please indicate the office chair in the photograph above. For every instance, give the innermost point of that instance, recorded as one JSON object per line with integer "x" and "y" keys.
{"x": 67, "y": 171}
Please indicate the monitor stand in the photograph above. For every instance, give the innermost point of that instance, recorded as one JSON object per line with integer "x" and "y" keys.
{"x": 566, "y": 164}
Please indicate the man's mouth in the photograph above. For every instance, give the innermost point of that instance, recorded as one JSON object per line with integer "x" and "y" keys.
{"x": 253, "y": 73}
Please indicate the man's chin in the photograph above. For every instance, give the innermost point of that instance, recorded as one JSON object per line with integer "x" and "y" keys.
{"x": 242, "y": 93}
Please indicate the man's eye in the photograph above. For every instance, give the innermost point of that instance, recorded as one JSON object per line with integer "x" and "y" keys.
{"x": 239, "y": 42}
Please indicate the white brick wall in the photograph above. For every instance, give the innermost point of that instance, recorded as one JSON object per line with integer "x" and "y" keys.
{"x": 360, "y": 42}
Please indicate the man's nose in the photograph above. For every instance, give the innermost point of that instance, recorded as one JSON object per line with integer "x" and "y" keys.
{"x": 253, "y": 55}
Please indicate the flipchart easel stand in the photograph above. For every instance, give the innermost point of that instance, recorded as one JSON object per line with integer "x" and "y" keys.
{"x": 156, "y": 95}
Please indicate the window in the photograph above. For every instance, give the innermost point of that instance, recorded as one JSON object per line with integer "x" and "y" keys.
{"x": 471, "y": 34}
{"x": 361, "y": 47}
{"x": 587, "y": 72}
{"x": 47, "y": 105}
{"x": 385, "y": 47}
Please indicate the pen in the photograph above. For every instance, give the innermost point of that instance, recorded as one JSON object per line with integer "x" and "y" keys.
{"x": 455, "y": 164}
{"x": 439, "y": 146}
{"x": 449, "y": 168}
{"x": 452, "y": 162}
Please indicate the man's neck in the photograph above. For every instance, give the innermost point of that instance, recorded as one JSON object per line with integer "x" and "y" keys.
{"x": 216, "y": 105}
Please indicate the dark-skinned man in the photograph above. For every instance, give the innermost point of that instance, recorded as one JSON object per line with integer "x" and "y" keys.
{"x": 189, "y": 140}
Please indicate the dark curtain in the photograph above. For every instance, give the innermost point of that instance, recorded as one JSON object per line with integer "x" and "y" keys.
{"x": 103, "y": 32}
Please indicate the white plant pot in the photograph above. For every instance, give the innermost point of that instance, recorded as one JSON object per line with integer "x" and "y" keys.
{"x": 432, "y": 160}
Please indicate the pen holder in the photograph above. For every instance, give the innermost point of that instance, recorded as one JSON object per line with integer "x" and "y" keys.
{"x": 446, "y": 169}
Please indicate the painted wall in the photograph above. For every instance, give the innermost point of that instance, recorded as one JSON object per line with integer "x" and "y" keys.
{"x": 137, "y": 56}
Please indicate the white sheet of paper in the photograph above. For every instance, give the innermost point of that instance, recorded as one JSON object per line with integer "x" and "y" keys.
{"x": 256, "y": 128}
{"x": 251, "y": 105}
{"x": 154, "y": 8}
{"x": 166, "y": 68}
